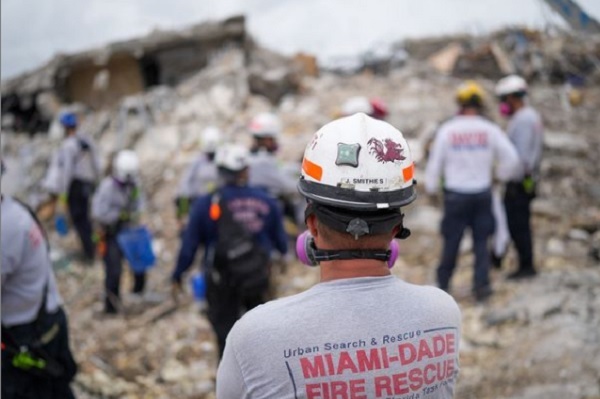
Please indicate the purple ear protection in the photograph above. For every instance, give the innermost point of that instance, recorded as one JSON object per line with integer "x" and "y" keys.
{"x": 306, "y": 250}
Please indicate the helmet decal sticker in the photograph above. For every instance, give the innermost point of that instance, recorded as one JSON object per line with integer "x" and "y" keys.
{"x": 347, "y": 154}
{"x": 388, "y": 151}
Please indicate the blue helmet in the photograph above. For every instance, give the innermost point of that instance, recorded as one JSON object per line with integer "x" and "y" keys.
{"x": 68, "y": 119}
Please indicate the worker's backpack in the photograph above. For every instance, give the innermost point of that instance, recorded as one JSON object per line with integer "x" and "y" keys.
{"x": 241, "y": 262}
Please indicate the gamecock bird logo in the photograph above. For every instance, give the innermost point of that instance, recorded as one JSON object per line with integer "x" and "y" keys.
{"x": 388, "y": 151}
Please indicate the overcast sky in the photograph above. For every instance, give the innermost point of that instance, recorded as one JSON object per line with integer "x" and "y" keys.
{"x": 34, "y": 30}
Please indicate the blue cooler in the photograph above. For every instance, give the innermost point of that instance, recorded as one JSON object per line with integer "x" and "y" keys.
{"x": 136, "y": 244}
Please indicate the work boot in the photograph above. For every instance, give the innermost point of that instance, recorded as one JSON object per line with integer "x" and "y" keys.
{"x": 496, "y": 261}
{"x": 112, "y": 304}
{"x": 522, "y": 274}
{"x": 482, "y": 293}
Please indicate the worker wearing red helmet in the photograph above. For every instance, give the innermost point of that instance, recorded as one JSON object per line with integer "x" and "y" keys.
{"x": 374, "y": 107}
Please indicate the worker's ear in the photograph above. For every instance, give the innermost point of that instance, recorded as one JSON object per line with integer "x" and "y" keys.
{"x": 311, "y": 223}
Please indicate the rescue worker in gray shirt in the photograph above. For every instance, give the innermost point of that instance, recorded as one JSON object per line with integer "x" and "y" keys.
{"x": 116, "y": 205}
{"x": 525, "y": 131}
{"x": 200, "y": 178}
{"x": 78, "y": 173}
{"x": 361, "y": 332}
{"x": 265, "y": 171}
{"x": 37, "y": 362}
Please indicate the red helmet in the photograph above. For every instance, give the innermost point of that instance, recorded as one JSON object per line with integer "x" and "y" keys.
{"x": 380, "y": 109}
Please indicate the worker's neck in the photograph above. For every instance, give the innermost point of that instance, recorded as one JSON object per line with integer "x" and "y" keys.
{"x": 341, "y": 269}
{"x": 469, "y": 111}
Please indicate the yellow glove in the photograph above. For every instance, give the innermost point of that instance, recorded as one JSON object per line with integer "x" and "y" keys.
{"x": 61, "y": 205}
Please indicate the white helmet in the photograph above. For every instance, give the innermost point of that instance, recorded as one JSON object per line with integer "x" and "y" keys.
{"x": 232, "y": 157}
{"x": 357, "y": 104}
{"x": 211, "y": 138}
{"x": 511, "y": 84}
{"x": 265, "y": 124}
{"x": 126, "y": 166}
{"x": 358, "y": 163}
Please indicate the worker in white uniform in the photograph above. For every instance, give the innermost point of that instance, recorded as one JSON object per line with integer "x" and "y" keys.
{"x": 467, "y": 151}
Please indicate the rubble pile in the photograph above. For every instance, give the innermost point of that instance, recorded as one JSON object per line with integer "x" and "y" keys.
{"x": 533, "y": 339}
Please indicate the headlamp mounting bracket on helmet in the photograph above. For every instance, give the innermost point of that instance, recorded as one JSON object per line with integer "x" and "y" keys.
{"x": 357, "y": 227}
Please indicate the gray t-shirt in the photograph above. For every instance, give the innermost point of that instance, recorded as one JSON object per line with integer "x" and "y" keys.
{"x": 25, "y": 268}
{"x": 266, "y": 173}
{"x": 77, "y": 162}
{"x": 526, "y": 131}
{"x": 201, "y": 177}
{"x": 112, "y": 199}
{"x": 371, "y": 337}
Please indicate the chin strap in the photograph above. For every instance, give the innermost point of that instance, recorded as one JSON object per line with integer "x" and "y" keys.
{"x": 321, "y": 255}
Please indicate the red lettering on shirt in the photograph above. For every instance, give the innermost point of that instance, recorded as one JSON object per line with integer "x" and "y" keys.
{"x": 353, "y": 389}
{"x": 411, "y": 366}
{"x": 469, "y": 139}
{"x": 35, "y": 236}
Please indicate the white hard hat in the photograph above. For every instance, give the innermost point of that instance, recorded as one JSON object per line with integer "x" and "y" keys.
{"x": 126, "y": 166}
{"x": 232, "y": 157}
{"x": 211, "y": 137}
{"x": 265, "y": 124}
{"x": 358, "y": 163}
{"x": 357, "y": 104}
{"x": 511, "y": 84}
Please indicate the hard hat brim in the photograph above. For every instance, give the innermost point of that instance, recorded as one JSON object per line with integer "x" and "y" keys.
{"x": 356, "y": 200}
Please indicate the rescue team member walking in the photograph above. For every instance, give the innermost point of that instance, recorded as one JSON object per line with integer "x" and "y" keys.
{"x": 465, "y": 152}
{"x": 265, "y": 171}
{"x": 116, "y": 205}
{"x": 360, "y": 332}
{"x": 201, "y": 176}
{"x": 256, "y": 212}
{"x": 79, "y": 171}
{"x": 525, "y": 130}
{"x": 36, "y": 358}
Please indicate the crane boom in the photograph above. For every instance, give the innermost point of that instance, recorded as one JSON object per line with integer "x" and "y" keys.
{"x": 574, "y": 15}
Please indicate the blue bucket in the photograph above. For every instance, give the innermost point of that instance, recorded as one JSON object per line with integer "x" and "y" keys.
{"x": 61, "y": 225}
{"x": 136, "y": 244}
{"x": 199, "y": 286}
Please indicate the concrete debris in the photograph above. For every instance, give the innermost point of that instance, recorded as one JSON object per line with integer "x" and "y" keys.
{"x": 445, "y": 60}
